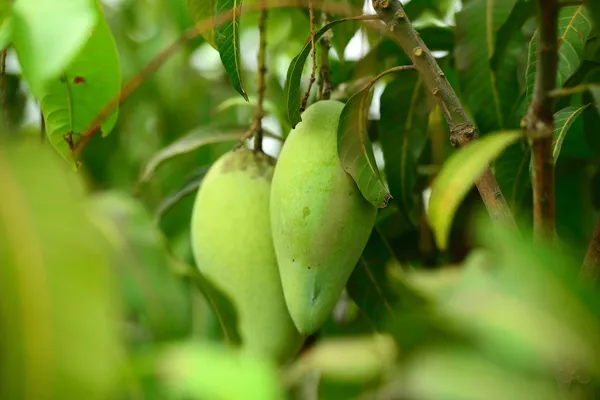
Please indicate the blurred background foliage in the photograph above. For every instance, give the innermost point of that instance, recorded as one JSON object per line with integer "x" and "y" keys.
{"x": 101, "y": 298}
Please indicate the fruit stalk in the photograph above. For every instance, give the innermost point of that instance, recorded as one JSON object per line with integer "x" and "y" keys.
{"x": 262, "y": 71}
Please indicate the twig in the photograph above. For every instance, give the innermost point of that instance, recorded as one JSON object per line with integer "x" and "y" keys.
{"x": 3, "y": 88}
{"x": 591, "y": 264}
{"x": 462, "y": 130}
{"x": 262, "y": 70}
{"x": 313, "y": 53}
{"x": 325, "y": 86}
{"x": 539, "y": 121}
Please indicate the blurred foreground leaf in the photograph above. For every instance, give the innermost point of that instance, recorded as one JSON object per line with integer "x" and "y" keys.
{"x": 58, "y": 310}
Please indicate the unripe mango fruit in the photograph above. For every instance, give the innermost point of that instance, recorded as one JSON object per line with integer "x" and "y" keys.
{"x": 233, "y": 249}
{"x": 320, "y": 220}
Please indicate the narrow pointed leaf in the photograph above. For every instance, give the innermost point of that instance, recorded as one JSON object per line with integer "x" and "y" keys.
{"x": 356, "y": 151}
{"x": 574, "y": 26}
{"x": 294, "y": 74}
{"x": 71, "y": 102}
{"x": 186, "y": 144}
{"x": 227, "y": 39}
{"x": 402, "y": 133}
{"x": 203, "y": 11}
{"x": 48, "y": 34}
{"x": 458, "y": 175}
{"x": 563, "y": 120}
{"x": 477, "y": 26}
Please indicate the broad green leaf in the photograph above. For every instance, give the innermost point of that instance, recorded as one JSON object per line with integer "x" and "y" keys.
{"x": 563, "y": 120}
{"x": 402, "y": 133}
{"x": 355, "y": 149}
{"x": 458, "y": 175}
{"x": 477, "y": 27}
{"x": 71, "y": 102}
{"x": 203, "y": 12}
{"x": 187, "y": 144}
{"x": 574, "y": 27}
{"x": 204, "y": 370}
{"x": 294, "y": 74}
{"x": 48, "y": 35}
{"x": 370, "y": 286}
{"x": 59, "y": 313}
{"x": 227, "y": 39}
{"x": 156, "y": 297}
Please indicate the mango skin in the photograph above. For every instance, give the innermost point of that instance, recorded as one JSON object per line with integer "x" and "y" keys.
{"x": 320, "y": 220}
{"x": 232, "y": 247}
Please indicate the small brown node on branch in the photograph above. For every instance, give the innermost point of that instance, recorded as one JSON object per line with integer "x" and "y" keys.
{"x": 385, "y": 3}
{"x": 418, "y": 52}
{"x": 375, "y": 4}
{"x": 436, "y": 91}
{"x": 441, "y": 73}
{"x": 400, "y": 14}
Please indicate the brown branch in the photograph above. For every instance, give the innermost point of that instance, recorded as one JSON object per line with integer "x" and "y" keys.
{"x": 539, "y": 121}
{"x": 591, "y": 264}
{"x": 462, "y": 130}
{"x": 325, "y": 86}
{"x": 262, "y": 70}
{"x": 313, "y": 53}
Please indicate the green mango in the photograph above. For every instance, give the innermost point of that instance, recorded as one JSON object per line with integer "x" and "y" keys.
{"x": 321, "y": 222}
{"x": 233, "y": 249}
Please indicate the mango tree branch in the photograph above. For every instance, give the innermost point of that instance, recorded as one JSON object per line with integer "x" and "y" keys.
{"x": 591, "y": 265}
{"x": 462, "y": 130}
{"x": 325, "y": 86}
{"x": 539, "y": 121}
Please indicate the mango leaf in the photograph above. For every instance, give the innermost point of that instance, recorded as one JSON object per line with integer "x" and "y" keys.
{"x": 294, "y": 73}
{"x": 402, "y": 133}
{"x": 187, "y": 144}
{"x": 574, "y": 27}
{"x": 203, "y": 12}
{"x": 345, "y": 32}
{"x": 63, "y": 279}
{"x": 458, "y": 175}
{"x": 371, "y": 289}
{"x": 71, "y": 103}
{"x": 189, "y": 187}
{"x": 512, "y": 174}
{"x": 227, "y": 39}
{"x": 355, "y": 149}
{"x": 47, "y": 36}
{"x": 477, "y": 26}
{"x": 204, "y": 370}
{"x": 594, "y": 8}
{"x": 521, "y": 12}
{"x": 563, "y": 120}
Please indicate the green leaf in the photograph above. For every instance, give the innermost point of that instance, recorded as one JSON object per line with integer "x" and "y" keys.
{"x": 402, "y": 133}
{"x": 6, "y": 23}
{"x": 59, "y": 314}
{"x": 521, "y": 12}
{"x": 458, "y": 175}
{"x": 47, "y": 36}
{"x": 203, "y": 12}
{"x": 512, "y": 173}
{"x": 294, "y": 74}
{"x": 71, "y": 103}
{"x": 227, "y": 38}
{"x": 203, "y": 370}
{"x": 563, "y": 120}
{"x": 594, "y": 8}
{"x": 371, "y": 289}
{"x": 355, "y": 149}
{"x": 187, "y": 144}
{"x": 477, "y": 26}
{"x": 189, "y": 187}
{"x": 345, "y": 32}
{"x": 574, "y": 27}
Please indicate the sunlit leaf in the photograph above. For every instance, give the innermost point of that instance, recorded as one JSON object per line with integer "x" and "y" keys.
{"x": 200, "y": 370}
{"x": 574, "y": 27}
{"x": 227, "y": 39}
{"x": 48, "y": 35}
{"x": 458, "y": 175}
{"x": 355, "y": 149}
{"x": 203, "y": 11}
{"x": 294, "y": 74}
{"x": 402, "y": 133}
{"x": 477, "y": 25}
{"x": 59, "y": 312}
{"x": 71, "y": 102}
{"x": 187, "y": 144}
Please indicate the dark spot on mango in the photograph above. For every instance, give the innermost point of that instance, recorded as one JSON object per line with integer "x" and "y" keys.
{"x": 78, "y": 80}
{"x": 305, "y": 212}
